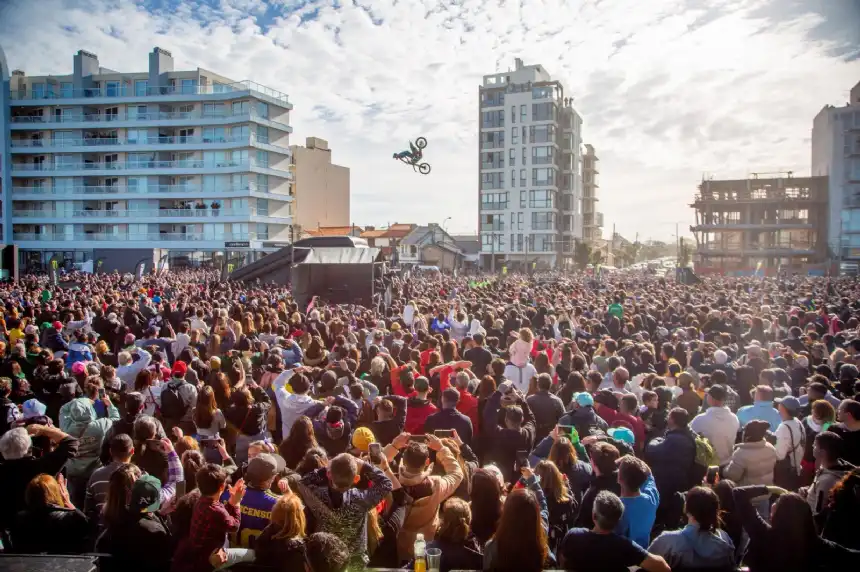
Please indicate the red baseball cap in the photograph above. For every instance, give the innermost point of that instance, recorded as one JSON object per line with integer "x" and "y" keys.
{"x": 57, "y": 325}
{"x": 179, "y": 368}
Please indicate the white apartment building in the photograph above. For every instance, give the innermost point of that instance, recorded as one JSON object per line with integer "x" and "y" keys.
{"x": 836, "y": 154}
{"x": 113, "y": 167}
{"x": 530, "y": 197}
{"x": 592, "y": 220}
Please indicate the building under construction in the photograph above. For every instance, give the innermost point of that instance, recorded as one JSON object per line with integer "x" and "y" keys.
{"x": 761, "y": 223}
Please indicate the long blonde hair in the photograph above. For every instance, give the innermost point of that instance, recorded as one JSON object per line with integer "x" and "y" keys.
{"x": 526, "y": 335}
{"x": 289, "y": 514}
{"x": 552, "y": 481}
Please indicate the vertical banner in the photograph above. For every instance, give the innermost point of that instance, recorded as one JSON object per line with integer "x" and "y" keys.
{"x": 229, "y": 267}
{"x": 162, "y": 265}
{"x": 98, "y": 266}
{"x": 140, "y": 268}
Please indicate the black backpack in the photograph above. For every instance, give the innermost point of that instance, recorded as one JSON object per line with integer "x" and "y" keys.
{"x": 172, "y": 406}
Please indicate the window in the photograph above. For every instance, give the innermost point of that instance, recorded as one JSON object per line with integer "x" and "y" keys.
{"x": 544, "y": 112}
{"x": 213, "y": 109}
{"x": 111, "y": 114}
{"x": 239, "y": 133}
{"x": 111, "y": 161}
{"x": 112, "y": 88}
{"x": 515, "y": 136}
{"x": 492, "y": 222}
{"x": 542, "y": 155}
{"x": 542, "y": 199}
{"x": 215, "y": 158}
{"x": 493, "y": 160}
{"x": 134, "y": 136}
{"x": 263, "y": 109}
{"x": 541, "y": 242}
{"x": 141, "y": 87}
{"x": 262, "y": 158}
{"x": 524, "y": 152}
{"x": 137, "y": 112}
{"x": 519, "y": 243}
{"x": 262, "y": 183}
{"x": 240, "y": 157}
{"x": 38, "y": 90}
{"x": 188, "y": 86}
{"x": 493, "y": 119}
{"x": 262, "y": 231}
{"x": 67, "y": 89}
{"x": 213, "y": 134}
{"x": 541, "y": 92}
{"x": 513, "y": 114}
{"x": 494, "y": 201}
{"x": 492, "y": 140}
{"x": 492, "y": 98}
{"x": 522, "y": 201}
{"x": 543, "y": 177}
{"x": 218, "y": 87}
{"x": 542, "y": 134}
{"x": 185, "y": 110}
{"x": 513, "y": 157}
{"x": 523, "y": 114}
{"x": 185, "y": 135}
{"x": 262, "y": 134}
{"x": 240, "y": 107}
{"x": 492, "y": 181}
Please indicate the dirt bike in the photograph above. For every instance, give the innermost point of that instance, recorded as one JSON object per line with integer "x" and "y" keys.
{"x": 423, "y": 168}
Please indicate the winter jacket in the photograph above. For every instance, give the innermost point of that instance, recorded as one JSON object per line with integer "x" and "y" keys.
{"x": 817, "y": 494}
{"x": 671, "y": 459}
{"x": 417, "y": 411}
{"x": 78, "y": 418}
{"x": 344, "y": 514}
{"x": 579, "y": 475}
{"x": 78, "y": 352}
{"x": 547, "y": 409}
{"x": 599, "y": 483}
{"x": 50, "y": 530}
{"x": 585, "y": 420}
{"x": 138, "y": 543}
{"x": 279, "y": 554}
{"x": 251, "y": 420}
{"x": 458, "y": 556}
{"x": 468, "y": 406}
{"x": 503, "y": 443}
{"x": 53, "y": 340}
{"x": 752, "y": 464}
{"x": 450, "y": 419}
{"x": 188, "y": 396}
{"x": 691, "y": 548}
{"x": 720, "y": 426}
{"x": 423, "y": 516}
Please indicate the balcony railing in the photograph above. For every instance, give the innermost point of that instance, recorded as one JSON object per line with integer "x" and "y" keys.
{"x": 207, "y": 212}
{"x": 149, "y": 237}
{"x": 499, "y": 226}
{"x": 110, "y": 189}
{"x": 57, "y": 92}
{"x": 39, "y": 144}
{"x": 494, "y": 206}
{"x": 149, "y": 116}
{"x": 120, "y": 165}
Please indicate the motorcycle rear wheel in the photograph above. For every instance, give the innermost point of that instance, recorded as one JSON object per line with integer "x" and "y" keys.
{"x": 424, "y": 168}
{"x": 421, "y": 142}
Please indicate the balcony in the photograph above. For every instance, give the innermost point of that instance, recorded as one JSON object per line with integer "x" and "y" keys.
{"x": 238, "y": 89}
{"x": 139, "y": 213}
{"x": 125, "y": 237}
{"x": 68, "y": 145}
{"x": 494, "y": 206}
{"x": 186, "y": 166}
{"x": 178, "y": 191}
{"x": 134, "y": 120}
{"x": 499, "y": 226}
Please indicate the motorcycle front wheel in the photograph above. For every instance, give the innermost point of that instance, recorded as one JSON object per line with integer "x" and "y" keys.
{"x": 424, "y": 168}
{"x": 421, "y": 142}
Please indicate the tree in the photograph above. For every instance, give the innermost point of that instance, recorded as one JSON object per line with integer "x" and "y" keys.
{"x": 596, "y": 257}
{"x": 685, "y": 254}
{"x": 581, "y": 254}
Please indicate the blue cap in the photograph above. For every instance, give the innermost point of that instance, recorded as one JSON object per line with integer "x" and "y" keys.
{"x": 622, "y": 434}
{"x": 791, "y": 403}
{"x": 33, "y": 408}
{"x": 583, "y": 399}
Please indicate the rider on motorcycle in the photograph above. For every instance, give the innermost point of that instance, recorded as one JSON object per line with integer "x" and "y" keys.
{"x": 414, "y": 154}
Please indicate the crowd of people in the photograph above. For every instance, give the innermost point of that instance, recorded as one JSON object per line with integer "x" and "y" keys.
{"x": 516, "y": 423}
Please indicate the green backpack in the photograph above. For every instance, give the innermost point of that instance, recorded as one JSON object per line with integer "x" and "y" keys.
{"x": 705, "y": 457}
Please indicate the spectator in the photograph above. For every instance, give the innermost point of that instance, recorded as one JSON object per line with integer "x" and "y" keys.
{"x": 325, "y": 552}
{"x": 701, "y": 544}
{"x": 828, "y": 455}
{"x": 449, "y": 418}
{"x": 129, "y": 369}
{"x": 460, "y": 550}
{"x": 281, "y": 546}
{"x": 718, "y": 424}
{"x": 256, "y": 510}
{"x": 419, "y": 407}
{"x": 603, "y": 457}
{"x": 762, "y": 409}
{"x": 848, "y": 428}
{"x": 486, "y": 503}
{"x": 841, "y": 511}
{"x": 582, "y": 416}
{"x": 561, "y": 504}
{"x": 176, "y": 401}
{"x": 50, "y": 523}
{"x": 790, "y": 445}
{"x": 121, "y": 450}
{"x": 515, "y": 432}
{"x": 753, "y": 460}
{"x": 640, "y": 497}
{"x": 601, "y": 549}
{"x": 293, "y": 404}
{"x": 688, "y": 399}
{"x": 546, "y": 407}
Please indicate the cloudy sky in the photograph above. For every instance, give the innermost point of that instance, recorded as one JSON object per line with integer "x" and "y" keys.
{"x": 668, "y": 89}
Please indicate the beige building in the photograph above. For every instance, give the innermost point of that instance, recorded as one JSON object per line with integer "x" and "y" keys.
{"x": 321, "y": 187}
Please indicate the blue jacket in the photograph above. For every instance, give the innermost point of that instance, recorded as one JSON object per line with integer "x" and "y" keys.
{"x": 53, "y": 340}
{"x": 450, "y": 419}
{"x": 761, "y": 410}
{"x": 671, "y": 459}
{"x": 292, "y": 355}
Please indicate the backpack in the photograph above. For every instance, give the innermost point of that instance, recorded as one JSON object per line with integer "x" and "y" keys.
{"x": 172, "y": 405}
{"x": 705, "y": 457}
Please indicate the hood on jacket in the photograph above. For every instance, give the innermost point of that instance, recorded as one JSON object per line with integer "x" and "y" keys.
{"x": 842, "y": 467}
{"x": 81, "y": 411}
{"x": 708, "y": 547}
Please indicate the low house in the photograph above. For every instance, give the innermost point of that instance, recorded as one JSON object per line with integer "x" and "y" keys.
{"x": 430, "y": 245}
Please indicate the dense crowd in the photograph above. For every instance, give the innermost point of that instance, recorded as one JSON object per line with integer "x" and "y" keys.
{"x": 179, "y": 422}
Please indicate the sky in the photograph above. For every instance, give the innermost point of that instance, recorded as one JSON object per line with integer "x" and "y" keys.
{"x": 669, "y": 90}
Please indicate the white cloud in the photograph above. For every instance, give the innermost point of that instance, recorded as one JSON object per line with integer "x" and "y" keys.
{"x": 668, "y": 89}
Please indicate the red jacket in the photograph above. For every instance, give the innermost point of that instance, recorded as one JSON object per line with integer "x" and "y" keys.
{"x": 468, "y": 406}
{"x": 417, "y": 412}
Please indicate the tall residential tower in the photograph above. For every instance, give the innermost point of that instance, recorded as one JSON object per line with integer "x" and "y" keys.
{"x": 118, "y": 166}
{"x": 530, "y": 170}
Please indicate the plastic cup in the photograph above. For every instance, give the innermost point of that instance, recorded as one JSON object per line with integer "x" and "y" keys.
{"x": 434, "y": 559}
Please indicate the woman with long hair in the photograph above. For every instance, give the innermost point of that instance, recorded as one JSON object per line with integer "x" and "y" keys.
{"x": 840, "y": 520}
{"x": 50, "y": 523}
{"x": 221, "y": 386}
{"x": 701, "y": 544}
{"x": 214, "y": 346}
{"x": 146, "y": 384}
{"x": 460, "y": 550}
{"x": 521, "y": 543}
{"x": 485, "y": 501}
{"x": 248, "y": 414}
{"x": 792, "y": 529}
{"x": 300, "y": 440}
{"x": 208, "y": 418}
{"x": 730, "y": 520}
{"x": 281, "y": 545}
{"x": 573, "y": 383}
{"x": 119, "y": 489}
{"x": 563, "y": 455}
{"x": 559, "y": 499}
